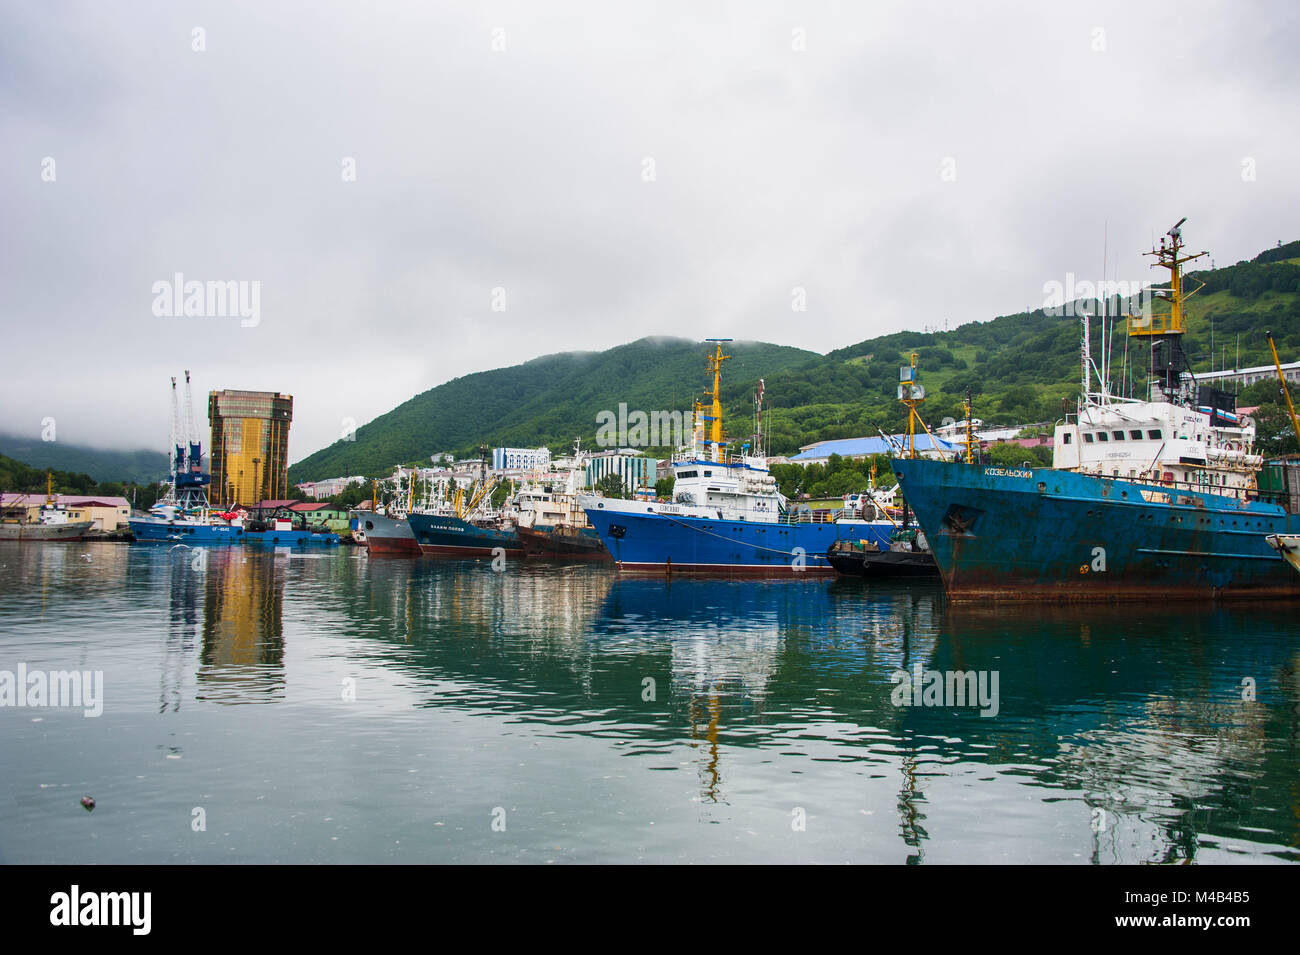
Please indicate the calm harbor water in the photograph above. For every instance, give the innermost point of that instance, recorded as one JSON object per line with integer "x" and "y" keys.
{"x": 329, "y": 707}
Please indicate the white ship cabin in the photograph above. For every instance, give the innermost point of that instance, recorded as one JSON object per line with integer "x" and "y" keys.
{"x": 553, "y": 500}
{"x": 738, "y": 487}
{"x": 546, "y": 505}
{"x": 53, "y": 514}
{"x": 1159, "y": 442}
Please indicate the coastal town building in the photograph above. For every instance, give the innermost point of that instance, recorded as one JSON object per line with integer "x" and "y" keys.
{"x": 319, "y": 490}
{"x": 859, "y": 448}
{"x": 521, "y": 459}
{"x": 635, "y": 469}
{"x": 1249, "y": 376}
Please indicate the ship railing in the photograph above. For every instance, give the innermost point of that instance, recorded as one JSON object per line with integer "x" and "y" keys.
{"x": 1156, "y": 482}
{"x": 809, "y": 516}
{"x": 725, "y": 459}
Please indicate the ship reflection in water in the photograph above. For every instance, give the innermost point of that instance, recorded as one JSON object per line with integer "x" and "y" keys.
{"x": 1132, "y": 726}
{"x": 637, "y": 718}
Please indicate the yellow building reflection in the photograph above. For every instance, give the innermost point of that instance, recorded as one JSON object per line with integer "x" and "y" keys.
{"x": 242, "y": 656}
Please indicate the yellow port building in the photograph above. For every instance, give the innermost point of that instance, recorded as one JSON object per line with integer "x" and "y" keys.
{"x": 250, "y": 445}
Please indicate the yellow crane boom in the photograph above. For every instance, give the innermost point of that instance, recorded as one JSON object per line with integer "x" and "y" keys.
{"x": 1286, "y": 392}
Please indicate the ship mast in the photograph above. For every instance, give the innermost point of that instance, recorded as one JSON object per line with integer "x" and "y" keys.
{"x": 715, "y": 368}
{"x": 970, "y": 428}
{"x": 1167, "y": 358}
{"x": 911, "y": 394}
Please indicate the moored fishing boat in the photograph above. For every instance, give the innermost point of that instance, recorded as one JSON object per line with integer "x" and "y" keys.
{"x": 727, "y": 515}
{"x": 551, "y": 524}
{"x": 564, "y": 542}
{"x": 51, "y": 522}
{"x": 908, "y": 555}
{"x": 465, "y": 527}
{"x": 446, "y": 535}
{"x": 385, "y": 530}
{"x": 384, "y": 535}
{"x": 1151, "y": 498}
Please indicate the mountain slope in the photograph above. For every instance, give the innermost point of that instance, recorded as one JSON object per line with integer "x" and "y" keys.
{"x": 550, "y": 400}
{"x": 138, "y": 467}
{"x": 1019, "y": 368}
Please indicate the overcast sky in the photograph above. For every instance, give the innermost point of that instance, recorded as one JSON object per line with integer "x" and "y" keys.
{"x": 905, "y": 165}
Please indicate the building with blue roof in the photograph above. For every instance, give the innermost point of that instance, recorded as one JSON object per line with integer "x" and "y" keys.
{"x": 858, "y": 448}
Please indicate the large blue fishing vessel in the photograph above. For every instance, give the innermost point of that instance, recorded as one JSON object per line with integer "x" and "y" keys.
{"x": 727, "y": 515}
{"x": 1146, "y": 499}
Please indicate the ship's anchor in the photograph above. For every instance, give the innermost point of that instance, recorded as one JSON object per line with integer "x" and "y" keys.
{"x": 958, "y": 522}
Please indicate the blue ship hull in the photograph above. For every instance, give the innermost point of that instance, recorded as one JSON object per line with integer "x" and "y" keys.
{"x": 182, "y": 532}
{"x": 443, "y": 536}
{"x": 1045, "y": 534}
{"x": 672, "y": 544}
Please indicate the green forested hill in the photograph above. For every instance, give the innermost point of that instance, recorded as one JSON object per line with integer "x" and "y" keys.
{"x": 17, "y": 477}
{"x": 550, "y": 400}
{"x": 100, "y": 464}
{"x": 1018, "y": 367}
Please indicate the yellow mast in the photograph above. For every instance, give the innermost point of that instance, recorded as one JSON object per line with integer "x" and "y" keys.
{"x": 49, "y": 487}
{"x": 1286, "y": 392}
{"x": 715, "y": 368}
{"x": 911, "y": 394}
{"x": 970, "y": 450}
{"x": 1169, "y": 256}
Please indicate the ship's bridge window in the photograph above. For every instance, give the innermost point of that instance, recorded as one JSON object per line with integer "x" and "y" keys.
{"x": 708, "y": 474}
{"x": 1068, "y": 438}
{"x": 1087, "y": 437}
{"x": 686, "y": 474}
{"x": 1154, "y": 434}
{"x": 1136, "y": 434}
{"x": 1118, "y": 435}
{"x": 1102, "y": 436}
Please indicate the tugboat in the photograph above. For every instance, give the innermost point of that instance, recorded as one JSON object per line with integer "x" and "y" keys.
{"x": 1155, "y": 498}
{"x": 908, "y": 553}
{"x": 908, "y": 556}
{"x": 727, "y": 516}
